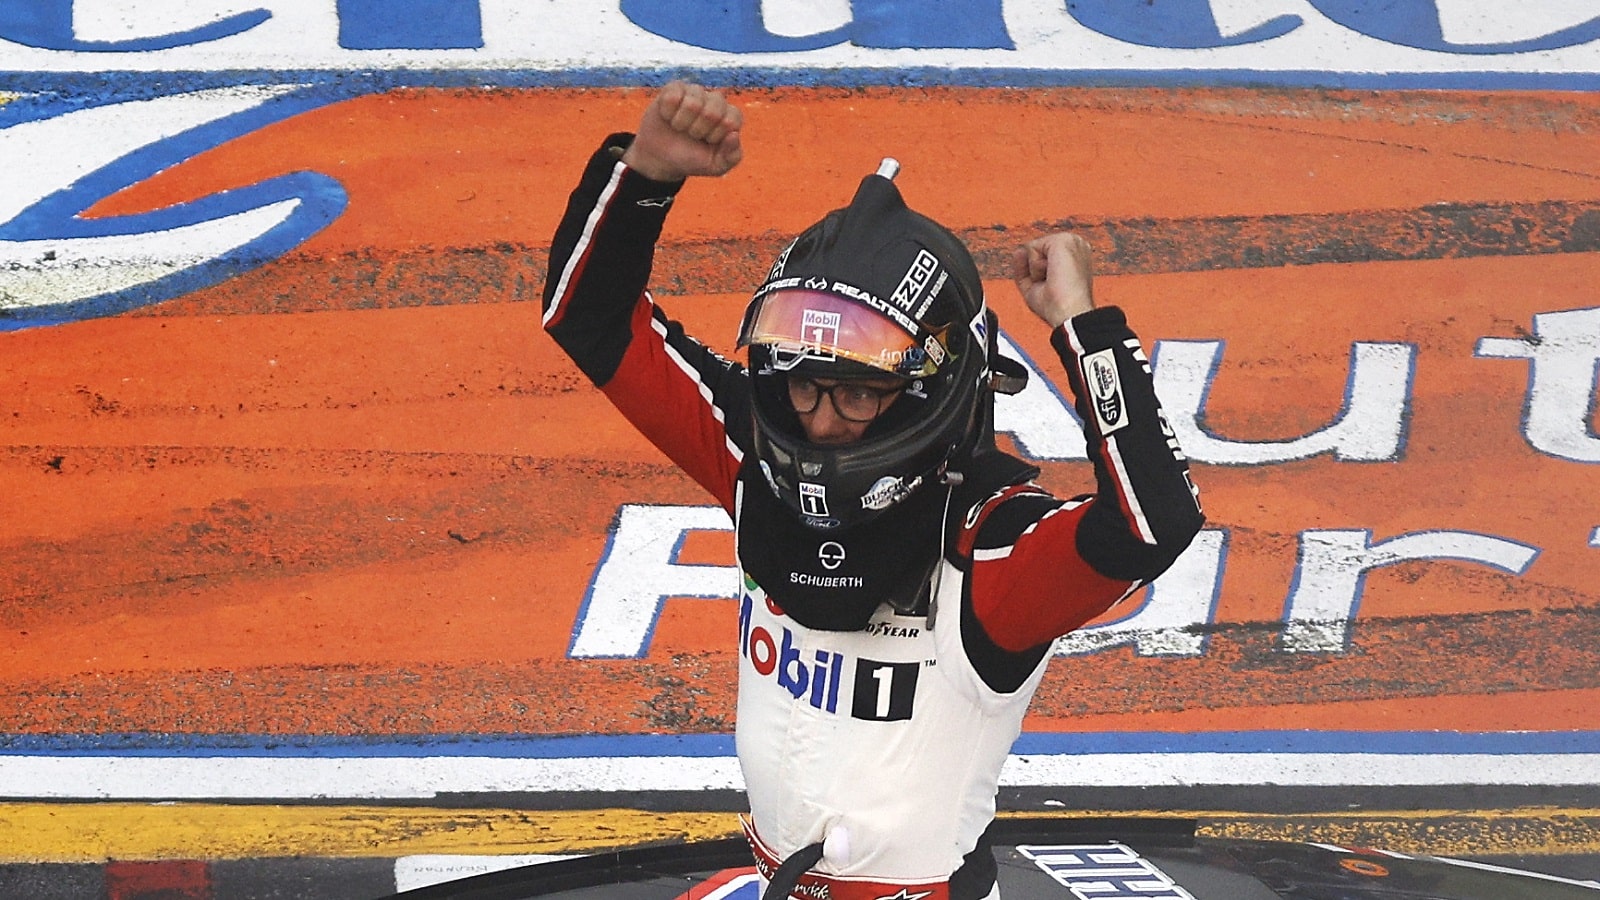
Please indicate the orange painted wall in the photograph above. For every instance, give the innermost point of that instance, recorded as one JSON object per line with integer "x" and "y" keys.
{"x": 358, "y": 491}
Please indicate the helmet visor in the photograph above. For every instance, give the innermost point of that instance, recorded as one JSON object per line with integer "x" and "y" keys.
{"x": 801, "y": 324}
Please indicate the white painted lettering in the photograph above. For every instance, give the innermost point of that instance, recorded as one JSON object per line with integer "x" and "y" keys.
{"x": 1327, "y": 41}
{"x": 1369, "y": 428}
{"x": 1564, "y": 355}
{"x": 119, "y": 23}
{"x": 1176, "y": 606}
{"x": 1039, "y": 418}
{"x": 639, "y": 571}
{"x": 53, "y": 264}
{"x": 802, "y": 18}
{"x": 1333, "y": 565}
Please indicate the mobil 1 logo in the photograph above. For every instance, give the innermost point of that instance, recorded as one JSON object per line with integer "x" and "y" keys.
{"x": 884, "y": 690}
{"x": 813, "y": 499}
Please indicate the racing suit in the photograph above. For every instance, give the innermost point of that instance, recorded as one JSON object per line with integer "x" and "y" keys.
{"x": 883, "y": 744}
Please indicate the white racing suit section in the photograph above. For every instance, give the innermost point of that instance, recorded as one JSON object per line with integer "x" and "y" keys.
{"x": 881, "y": 732}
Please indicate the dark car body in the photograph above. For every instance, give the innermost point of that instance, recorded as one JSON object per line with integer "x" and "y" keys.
{"x": 1105, "y": 859}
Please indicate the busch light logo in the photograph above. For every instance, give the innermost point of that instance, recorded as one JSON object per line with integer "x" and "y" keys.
{"x": 888, "y": 491}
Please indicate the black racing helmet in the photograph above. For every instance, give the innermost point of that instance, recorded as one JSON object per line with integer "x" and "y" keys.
{"x": 873, "y": 290}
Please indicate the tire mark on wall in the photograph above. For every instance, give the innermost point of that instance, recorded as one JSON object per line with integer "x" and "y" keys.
{"x": 1470, "y": 655}
{"x": 308, "y": 512}
{"x": 509, "y": 273}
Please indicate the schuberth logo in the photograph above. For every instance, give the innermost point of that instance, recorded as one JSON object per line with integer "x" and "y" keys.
{"x": 831, "y": 555}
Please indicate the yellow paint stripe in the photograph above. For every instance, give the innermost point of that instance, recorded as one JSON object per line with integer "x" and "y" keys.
{"x": 1542, "y": 831}
{"x": 95, "y": 832}
{"x": 1525, "y": 831}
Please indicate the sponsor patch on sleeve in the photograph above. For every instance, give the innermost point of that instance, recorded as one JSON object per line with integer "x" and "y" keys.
{"x": 1104, "y": 384}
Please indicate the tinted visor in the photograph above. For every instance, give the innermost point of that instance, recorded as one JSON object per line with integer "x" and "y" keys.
{"x": 800, "y": 325}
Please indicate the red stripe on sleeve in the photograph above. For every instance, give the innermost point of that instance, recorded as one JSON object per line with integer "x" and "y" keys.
{"x": 667, "y": 400}
{"x": 1042, "y": 588}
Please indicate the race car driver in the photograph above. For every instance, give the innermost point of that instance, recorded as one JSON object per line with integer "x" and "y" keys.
{"x": 902, "y": 577}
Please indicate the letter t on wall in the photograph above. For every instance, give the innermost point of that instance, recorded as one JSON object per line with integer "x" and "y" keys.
{"x": 1564, "y": 353}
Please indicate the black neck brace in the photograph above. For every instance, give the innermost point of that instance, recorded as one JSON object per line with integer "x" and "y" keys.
{"x": 835, "y": 580}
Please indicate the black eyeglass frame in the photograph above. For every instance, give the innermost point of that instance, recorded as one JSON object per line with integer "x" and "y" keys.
{"x": 882, "y": 396}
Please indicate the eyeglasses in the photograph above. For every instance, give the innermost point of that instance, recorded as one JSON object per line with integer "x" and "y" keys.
{"x": 854, "y": 401}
